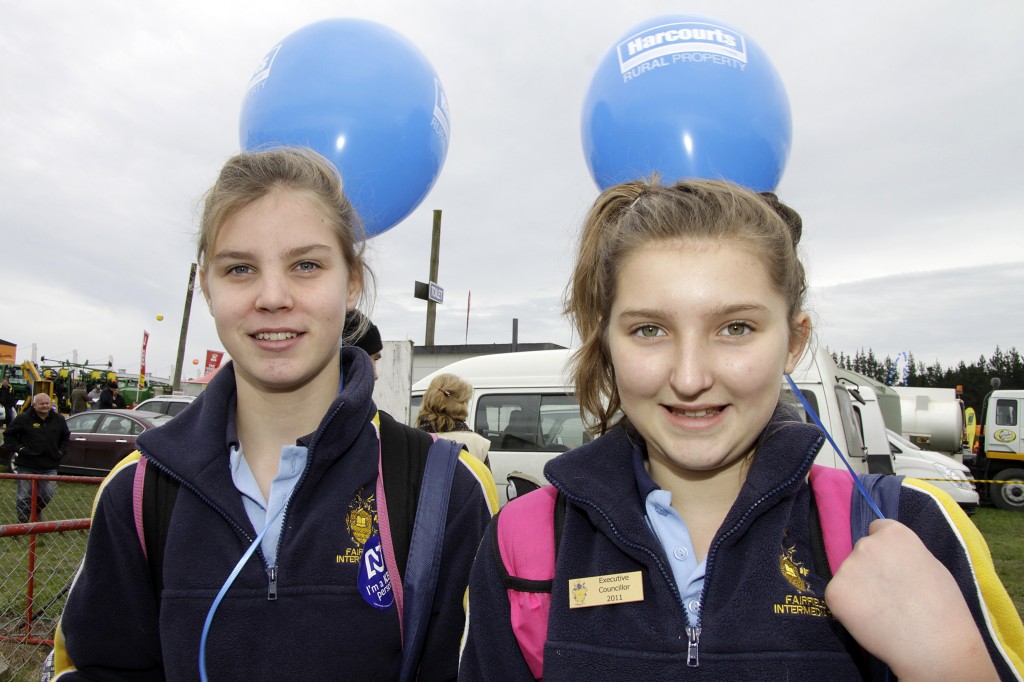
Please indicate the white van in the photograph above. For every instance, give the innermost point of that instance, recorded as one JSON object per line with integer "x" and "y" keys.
{"x": 523, "y": 403}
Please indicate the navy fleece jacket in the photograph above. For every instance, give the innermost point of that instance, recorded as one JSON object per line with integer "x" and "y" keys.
{"x": 757, "y": 621}
{"x": 115, "y": 627}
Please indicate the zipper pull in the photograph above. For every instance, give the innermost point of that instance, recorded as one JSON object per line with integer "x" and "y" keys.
{"x": 272, "y": 589}
{"x": 693, "y": 635}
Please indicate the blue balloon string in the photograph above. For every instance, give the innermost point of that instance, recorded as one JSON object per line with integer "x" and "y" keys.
{"x": 814, "y": 416}
{"x": 224, "y": 590}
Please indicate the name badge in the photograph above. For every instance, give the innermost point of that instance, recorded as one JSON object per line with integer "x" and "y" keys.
{"x": 600, "y": 590}
{"x": 374, "y": 581}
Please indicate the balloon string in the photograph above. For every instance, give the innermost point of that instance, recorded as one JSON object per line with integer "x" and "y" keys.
{"x": 224, "y": 590}
{"x": 814, "y": 416}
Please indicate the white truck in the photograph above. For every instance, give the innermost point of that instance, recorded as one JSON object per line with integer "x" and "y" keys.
{"x": 524, "y": 403}
{"x": 999, "y": 449}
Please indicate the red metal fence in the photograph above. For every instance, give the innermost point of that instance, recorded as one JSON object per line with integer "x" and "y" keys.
{"x": 38, "y": 561}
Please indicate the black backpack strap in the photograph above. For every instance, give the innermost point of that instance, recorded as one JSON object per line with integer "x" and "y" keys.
{"x": 159, "y": 492}
{"x": 560, "y": 504}
{"x": 818, "y": 553}
{"x": 403, "y": 459}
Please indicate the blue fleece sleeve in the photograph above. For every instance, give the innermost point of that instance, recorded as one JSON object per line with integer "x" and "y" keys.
{"x": 491, "y": 651}
{"x": 110, "y": 626}
{"x": 951, "y": 536}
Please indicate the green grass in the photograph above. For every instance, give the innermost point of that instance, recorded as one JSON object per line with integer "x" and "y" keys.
{"x": 1004, "y": 533}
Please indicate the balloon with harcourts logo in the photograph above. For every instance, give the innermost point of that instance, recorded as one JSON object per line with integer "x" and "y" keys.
{"x": 365, "y": 97}
{"x": 688, "y": 97}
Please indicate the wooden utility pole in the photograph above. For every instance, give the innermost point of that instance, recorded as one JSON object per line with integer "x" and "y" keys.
{"x": 176, "y": 381}
{"x": 435, "y": 256}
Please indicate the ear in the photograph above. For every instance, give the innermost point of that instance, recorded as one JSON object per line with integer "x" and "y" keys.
{"x": 355, "y": 288}
{"x": 204, "y": 289}
{"x": 798, "y": 336}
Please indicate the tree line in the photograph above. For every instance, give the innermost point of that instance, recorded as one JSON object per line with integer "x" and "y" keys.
{"x": 975, "y": 378}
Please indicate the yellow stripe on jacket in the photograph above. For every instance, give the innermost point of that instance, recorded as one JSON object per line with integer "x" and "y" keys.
{"x": 62, "y": 663}
{"x": 1001, "y": 615}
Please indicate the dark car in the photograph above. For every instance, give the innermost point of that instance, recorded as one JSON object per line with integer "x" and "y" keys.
{"x": 102, "y": 438}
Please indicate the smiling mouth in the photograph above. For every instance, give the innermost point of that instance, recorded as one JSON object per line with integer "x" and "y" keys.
{"x": 696, "y": 414}
{"x": 275, "y": 336}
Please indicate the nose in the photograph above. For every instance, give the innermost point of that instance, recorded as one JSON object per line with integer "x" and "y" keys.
{"x": 691, "y": 375}
{"x": 275, "y": 292}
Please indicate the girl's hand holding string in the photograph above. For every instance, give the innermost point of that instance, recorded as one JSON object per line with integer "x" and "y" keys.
{"x": 902, "y": 605}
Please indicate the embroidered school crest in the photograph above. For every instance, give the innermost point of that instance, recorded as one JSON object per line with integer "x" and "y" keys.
{"x": 362, "y": 518}
{"x": 579, "y": 592}
{"x": 792, "y": 570}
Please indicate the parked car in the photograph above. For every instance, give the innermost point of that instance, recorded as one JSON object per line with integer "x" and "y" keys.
{"x": 102, "y": 438}
{"x": 937, "y": 468}
{"x": 166, "y": 404}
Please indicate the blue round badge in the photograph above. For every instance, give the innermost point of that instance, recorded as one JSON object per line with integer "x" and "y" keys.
{"x": 374, "y": 580}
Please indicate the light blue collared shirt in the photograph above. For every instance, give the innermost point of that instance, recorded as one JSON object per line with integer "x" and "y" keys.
{"x": 260, "y": 511}
{"x": 674, "y": 536}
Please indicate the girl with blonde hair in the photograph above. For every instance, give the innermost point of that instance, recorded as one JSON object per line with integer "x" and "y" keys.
{"x": 444, "y": 411}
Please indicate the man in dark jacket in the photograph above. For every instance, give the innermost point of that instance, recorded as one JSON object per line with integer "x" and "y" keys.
{"x": 107, "y": 396}
{"x": 38, "y": 438}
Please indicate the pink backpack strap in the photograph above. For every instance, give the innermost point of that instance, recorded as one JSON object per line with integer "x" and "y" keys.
{"x": 526, "y": 541}
{"x": 833, "y": 492}
{"x": 137, "y": 485}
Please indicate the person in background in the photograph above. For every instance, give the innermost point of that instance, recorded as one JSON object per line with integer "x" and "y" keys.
{"x": 361, "y": 332}
{"x": 38, "y": 437}
{"x": 106, "y": 400}
{"x": 688, "y": 523}
{"x": 79, "y": 398}
{"x": 7, "y": 401}
{"x": 444, "y": 411}
{"x": 279, "y": 463}
{"x": 94, "y": 396}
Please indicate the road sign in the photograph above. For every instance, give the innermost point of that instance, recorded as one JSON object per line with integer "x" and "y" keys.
{"x": 436, "y": 293}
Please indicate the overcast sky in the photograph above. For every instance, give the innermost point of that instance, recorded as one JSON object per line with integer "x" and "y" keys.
{"x": 906, "y": 164}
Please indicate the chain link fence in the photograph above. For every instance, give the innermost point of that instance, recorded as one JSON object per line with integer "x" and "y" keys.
{"x": 38, "y": 561}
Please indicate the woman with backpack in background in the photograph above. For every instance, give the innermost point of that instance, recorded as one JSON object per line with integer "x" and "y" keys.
{"x": 444, "y": 411}
{"x": 280, "y": 457}
{"x": 682, "y": 536}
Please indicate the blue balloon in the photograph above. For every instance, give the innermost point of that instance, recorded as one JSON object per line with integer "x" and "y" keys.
{"x": 366, "y": 98}
{"x": 688, "y": 97}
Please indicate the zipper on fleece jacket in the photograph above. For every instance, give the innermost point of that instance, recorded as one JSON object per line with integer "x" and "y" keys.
{"x": 272, "y": 590}
{"x": 272, "y": 570}
{"x": 693, "y": 633}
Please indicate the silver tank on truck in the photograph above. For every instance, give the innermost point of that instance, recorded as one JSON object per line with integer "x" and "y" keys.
{"x": 933, "y": 418}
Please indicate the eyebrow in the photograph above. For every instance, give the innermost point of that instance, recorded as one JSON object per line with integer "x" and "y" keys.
{"x": 297, "y": 252}
{"x": 721, "y": 311}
